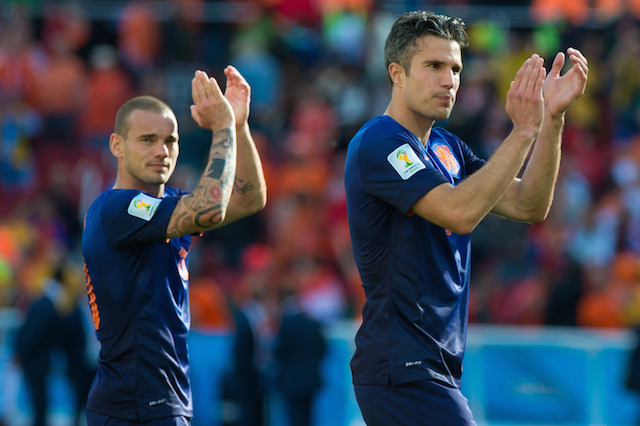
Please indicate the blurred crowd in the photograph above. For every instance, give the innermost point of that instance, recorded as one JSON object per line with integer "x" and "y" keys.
{"x": 317, "y": 74}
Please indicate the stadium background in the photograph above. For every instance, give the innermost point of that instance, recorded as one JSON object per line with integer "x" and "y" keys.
{"x": 553, "y": 304}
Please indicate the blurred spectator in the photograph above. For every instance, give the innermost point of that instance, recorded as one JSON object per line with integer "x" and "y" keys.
{"x": 19, "y": 124}
{"x": 65, "y": 23}
{"x": 625, "y": 80}
{"x": 75, "y": 332}
{"x": 20, "y": 58}
{"x": 139, "y": 36}
{"x": 243, "y": 385}
{"x": 299, "y": 350}
{"x": 36, "y": 340}
{"x": 57, "y": 93}
{"x": 55, "y": 322}
{"x": 575, "y": 11}
{"x": 109, "y": 87}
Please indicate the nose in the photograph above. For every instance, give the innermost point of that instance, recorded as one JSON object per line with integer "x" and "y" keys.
{"x": 161, "y": 150}
{"x": 448, "y": 79}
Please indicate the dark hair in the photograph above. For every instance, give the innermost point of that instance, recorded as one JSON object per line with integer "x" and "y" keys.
{"x": 401, "y": 43}
{"x": 144, "y": 103}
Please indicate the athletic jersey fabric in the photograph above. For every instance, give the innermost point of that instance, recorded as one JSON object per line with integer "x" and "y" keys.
{"x": 415, "y": 274}
{"x": 137, "y": 282}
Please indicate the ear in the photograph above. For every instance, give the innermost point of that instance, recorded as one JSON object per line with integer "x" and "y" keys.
{"x": 397, "y": 74}
{"x": 116, "y": 145}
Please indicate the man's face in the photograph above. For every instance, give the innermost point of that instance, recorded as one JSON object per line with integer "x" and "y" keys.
{"x": 151, "y": 147}
{"x": 433, "y": 80}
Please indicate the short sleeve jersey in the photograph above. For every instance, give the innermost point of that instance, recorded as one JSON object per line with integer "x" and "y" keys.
{"x": 415, "y": 273}
{"x": 137, "y": 282}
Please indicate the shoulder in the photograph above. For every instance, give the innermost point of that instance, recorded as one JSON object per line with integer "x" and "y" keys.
{"x": 116, "y": 204}
{"x": 446, "y": 135}
{"x": 380, "y": 135}
{"x": 170, "y": 191}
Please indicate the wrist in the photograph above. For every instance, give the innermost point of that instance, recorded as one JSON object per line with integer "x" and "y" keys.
{"x": 229, "y": 124}
{"x": 557, "y": 117}
{"x": 525, "y": 134}
{"x": 242, "y": 126}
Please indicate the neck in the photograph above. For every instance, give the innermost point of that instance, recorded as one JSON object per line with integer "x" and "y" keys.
{"x": 156, "y": 190}
{"x": 415, "y": 123}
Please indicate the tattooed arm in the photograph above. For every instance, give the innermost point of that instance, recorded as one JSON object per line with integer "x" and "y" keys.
{"x": 250, "y": 190}
{"x": 206, "y": 207}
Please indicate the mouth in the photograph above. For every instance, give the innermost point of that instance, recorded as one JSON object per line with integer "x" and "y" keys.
{"x": 160, "y": 167}
{"x": 445, "y": 98}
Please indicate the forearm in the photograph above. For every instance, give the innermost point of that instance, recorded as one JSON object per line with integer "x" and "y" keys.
{"x": 460, "y": 208}
{"x": 250, "y": 189}
{"x": 530, "y": 197}
{"x": 206, "y": 206}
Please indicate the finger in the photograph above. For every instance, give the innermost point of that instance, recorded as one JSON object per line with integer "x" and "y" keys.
{"x": 536, "y": 65}
{"x": 232, "y": 72}
{"x": 231, "y": 78}
{"x": 540, "y": 81}
{"x": 194, "y": 113}
{"x": 194, "y": 90}
{"x": 578, "y": 59}
{"x": 517, "y": 81}
{"x": 214, "y": 91}
{"x": 572, "y": 51}
{"x": 558, "y": 63}
{"x": 201, "y": 86}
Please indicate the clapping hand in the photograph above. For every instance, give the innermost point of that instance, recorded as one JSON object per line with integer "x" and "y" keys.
{"x": 524, "y": 99}
{"x": 210, "y": 109}
{"x": 560, "y": 92}
{"x": 238, "y": 93}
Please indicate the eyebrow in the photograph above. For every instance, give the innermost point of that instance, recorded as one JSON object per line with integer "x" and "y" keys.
{"x": 155, "y": 136}
{"x": 438, "y": 62}
{"x": 148, "y": 136}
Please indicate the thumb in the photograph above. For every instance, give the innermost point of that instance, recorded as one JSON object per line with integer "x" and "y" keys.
{"x": 558, "y": 63}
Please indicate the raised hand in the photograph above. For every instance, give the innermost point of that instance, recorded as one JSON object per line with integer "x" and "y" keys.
{"x": 211, "y": 110}
{"x": 524, "y": 100}
{"x": 560, "y": 92}
{"x": 238, "y": 93}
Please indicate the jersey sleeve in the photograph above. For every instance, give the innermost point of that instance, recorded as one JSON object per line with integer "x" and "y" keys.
{"x": 471, "y": 161}
{"x": 394, "y": 170}
{"x": 131, "y": 217}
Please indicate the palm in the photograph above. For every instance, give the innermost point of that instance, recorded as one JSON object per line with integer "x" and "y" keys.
{"x": 560, "y": 92}
{"x": 238, "y": 94}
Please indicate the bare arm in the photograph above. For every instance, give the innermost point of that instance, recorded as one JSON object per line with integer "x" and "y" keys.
{"x": 206, "y": 207}
{"x": 530, "y": 198}
{"x": 460, "y": 208}
{"x": 249, "y": 189}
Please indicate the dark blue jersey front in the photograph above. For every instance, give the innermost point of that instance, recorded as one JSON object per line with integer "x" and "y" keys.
{"x": 415, "y": 273}
{"x": 137, "y": 282}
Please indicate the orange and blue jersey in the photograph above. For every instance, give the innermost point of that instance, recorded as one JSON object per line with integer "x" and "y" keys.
{"x": 137, "y": 285}
{"x": 415, "y": 273}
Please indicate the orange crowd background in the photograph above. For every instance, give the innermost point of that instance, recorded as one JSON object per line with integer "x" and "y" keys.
{"x": 317, "y": 75}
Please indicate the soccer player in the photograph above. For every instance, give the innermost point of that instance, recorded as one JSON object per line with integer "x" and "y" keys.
{"x": 136, "y": 243}
{"x": 415, "y": 192}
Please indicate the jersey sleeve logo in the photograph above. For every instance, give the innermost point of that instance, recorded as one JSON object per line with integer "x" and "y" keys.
{"x": 143, "y": 206}
{"x": 405, "y": 161}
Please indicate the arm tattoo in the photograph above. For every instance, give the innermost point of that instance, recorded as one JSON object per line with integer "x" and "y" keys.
{"x": 242, "y": 189}
{"x": 217, "y": 212}
{"x": 205, "y": 206}
{"x": 216, "y": 168}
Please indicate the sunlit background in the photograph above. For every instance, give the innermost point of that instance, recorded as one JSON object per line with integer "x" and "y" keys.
{"x": 553, "y": 305}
